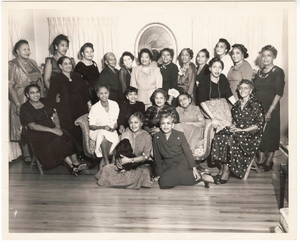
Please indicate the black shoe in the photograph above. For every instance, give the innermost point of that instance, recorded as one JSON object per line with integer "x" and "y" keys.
{"x": 216, "y": 179}
{"x": 267, "y": 168}
{"x": 206, "y": 184}
{"x": 80, "y": 168}
{"x": 261, "y": 164}
{"x": 222, "y": 181}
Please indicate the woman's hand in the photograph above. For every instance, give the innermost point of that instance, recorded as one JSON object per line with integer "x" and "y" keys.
{"x": 57, "y": 98}
{"x": 268, "y": 116}
{"x": 57, "y": 131}
{"x": 154, "y": 130}
{"x": 196, "y": 174}
{"x": 215, "y": 123}
{"x": 122, "y": 129}
{"x": 107, "y": 128}
{"x": 156, "y": 178}
{"x": 125, "y": 160}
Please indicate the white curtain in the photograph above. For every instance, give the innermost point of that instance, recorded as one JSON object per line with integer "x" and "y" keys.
{"x": 100, "y": 31}
{"x": 249, "y": 30}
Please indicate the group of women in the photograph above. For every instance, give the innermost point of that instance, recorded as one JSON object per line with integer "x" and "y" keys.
{"x": 138, "y": 106}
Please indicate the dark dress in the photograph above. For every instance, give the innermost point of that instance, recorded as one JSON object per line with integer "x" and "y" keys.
{"x": 174, "y": 160}
{"x": 153, "y": 115}
{"x": 267, "y": 85}
{"x": 74, "y": 96}
{"x": 238, "y": 149}
{"x": 204, "y": 71}
{"x": 127, "y": 109}
{"x": 90, "y": 74}
{"x": 111, "y": 78}
{"x": 170, "y": 78}
{"x": 124, "y": 81}
{"x": 49, "y": 148}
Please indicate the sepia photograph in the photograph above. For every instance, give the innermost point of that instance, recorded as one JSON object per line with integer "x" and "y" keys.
{"x": 149, "y": 120}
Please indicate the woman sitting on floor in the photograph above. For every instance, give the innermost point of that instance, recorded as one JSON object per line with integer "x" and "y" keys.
{"x": 103, "y": 123}
{"x": 234, "y": 147}
{"x": 174, "y": 159}
{"x": 52, "y": 145}
{"x": 118, "y": 174}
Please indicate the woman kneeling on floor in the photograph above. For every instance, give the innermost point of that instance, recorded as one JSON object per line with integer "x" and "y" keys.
{"x": 132, "y": 163}
{"x": 174, "y": 159}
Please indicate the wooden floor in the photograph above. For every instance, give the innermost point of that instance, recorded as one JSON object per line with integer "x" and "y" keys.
{"x": 59, "y": 202}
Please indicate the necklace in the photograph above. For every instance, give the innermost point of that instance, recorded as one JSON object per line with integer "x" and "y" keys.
{"x": 210, "y": 89}
{"x": 105, "y": 105}
{"x": 260, "y": 72}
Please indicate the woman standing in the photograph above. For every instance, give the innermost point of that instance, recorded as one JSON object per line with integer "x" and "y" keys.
{"x": 141, "y": 142}
{"x": 103, "y": 124}
{"x": 222, "y": 49}
{"x": 187, "y": 73}
{"x": 269, "y": 84}
{"x": 21, "y": 72}
{"x": 126, "y": 61}
{"x": 169, "y": 72}
{"x": 69, "y": 95}
{"x": 88, "y": 69}
{"x": 145, "y": 77}
{"x": 241, "y": 69}
{"x": 61, "y": 46}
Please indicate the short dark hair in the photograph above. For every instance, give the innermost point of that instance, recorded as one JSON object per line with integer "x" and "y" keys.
{"x": 130, "y": 89}
{"x": 159, "y": 90}
{"x": 98, "y": 86}
{"x": 155, "y": 55}
{"x": 58, "y": 39}
{"x": 190, "y": 51}
{"x": 204, "y": 50}
{"x": 138, "y": 115}
{"x": 168, "y": 50}
{"x": 269, "y": 48}
{"x": 86, "y": 45}
{"x": 226, "y": 43}
{"x": 145, "y": 50}
{"x": 242, "y": 48}
{"x": 187, "y": 94}
{"x": 61, "y": 60}
{"x": 215, "y": 59}
{"x": 28, "y": 87}
{"x": 126, "y": 53}
{"x": 246, "y": 81}
{"x": 17, "y": 46}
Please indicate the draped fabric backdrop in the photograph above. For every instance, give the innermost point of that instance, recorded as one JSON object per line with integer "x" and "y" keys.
{"x": 13, "y": 38}
{"x": 100, "y": 31}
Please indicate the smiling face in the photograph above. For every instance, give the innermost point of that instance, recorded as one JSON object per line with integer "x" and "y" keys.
{"x": 103, "y": 94}
{"x": 23, "y": 51}
{"x": 267, "y": 57}
{"x": 237, "y": 55}
{"x": 166, "y": 125}
{"x": 34, "y": 94}
{"x": 135, "y": 124}
{"x": 62, "y": 48}
{"x": 185, "y": 56}
{"x": 166, "y": 57}
{"x": 66, "y": 65}
{"x": 88, "y": 53}
{"x": 160, "y": 100}
{"x": 111, "y": 60}
{"x": 132, "y": 97}
{"x": 184, "y": 101}
{"x": 201, "y": 58}
{"x": 216, "y": 69}
{"x": 127, "y": 61}
{"x": 221, "y": 49}
{"x": 245, "y": 90}
{"x": 145, "y": 59}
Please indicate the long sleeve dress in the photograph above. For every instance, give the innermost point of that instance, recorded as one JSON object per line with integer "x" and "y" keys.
{"x": 174, "y": 160}
{"x": 109, "y": 176}
{"x": 49, "y": 148}
{"x": 127, "y": 109}
{"x": 267, "y": 85}
{"x": 187, "y": 81}
{"x": 200, "y": 75}
{"x": 238, "y": 149}
{"x": 236, "y": 74}
{"x": 146, "y": 81}
{"x": 124, "y": 81}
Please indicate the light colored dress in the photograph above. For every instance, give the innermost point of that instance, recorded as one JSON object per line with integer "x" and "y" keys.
{"x": 228, "y": 63}
{"x": 99, "y": 117}
{"x": 193, "y": 132}
{"x": 109, "y": 176}
{"x": 146, "y": 81}
{"x": 236, "y": 74}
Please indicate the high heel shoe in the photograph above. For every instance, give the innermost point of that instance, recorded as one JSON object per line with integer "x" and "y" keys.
{"x": 261, "y": 164}
{"x": 79, "y": 169}
{"x": 222, "y": 181}
{"x": 267, "y": 168}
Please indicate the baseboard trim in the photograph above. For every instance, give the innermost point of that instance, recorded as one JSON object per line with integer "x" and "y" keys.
{"x": 284, "y": 149}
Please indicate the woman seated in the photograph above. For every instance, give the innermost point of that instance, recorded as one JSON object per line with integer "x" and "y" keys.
{"x": 235, "y": 146}
{"x": 52, "y": 145}
{"x": 103, "y": 123}
{"x": 160, "y": 106}
{"x": 113, "y": 175}
{"x": 174, "y": 159}
{"x": 128, "y": 107}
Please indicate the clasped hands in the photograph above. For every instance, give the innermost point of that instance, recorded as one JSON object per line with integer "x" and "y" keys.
{"x": 107, "y": 128}
{"x": 57, "y": 131}
{"x": 154, "y": 130}
{"x": 234, "y": 129}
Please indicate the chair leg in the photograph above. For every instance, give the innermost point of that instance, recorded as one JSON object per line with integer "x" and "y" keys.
{"x": 248, "y": 169}
{"x": 35, "y": 161}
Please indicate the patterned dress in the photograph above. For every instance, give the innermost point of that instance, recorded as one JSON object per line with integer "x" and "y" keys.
{"x": 238, "y": 149}
{"x": 109, "y": 176}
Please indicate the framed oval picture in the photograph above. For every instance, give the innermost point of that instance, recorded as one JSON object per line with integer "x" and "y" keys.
{"x": 155, "y": 37}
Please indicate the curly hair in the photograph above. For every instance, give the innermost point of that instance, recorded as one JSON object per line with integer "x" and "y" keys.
{"x": 246, "y": 81}
{"x": 130, "y": 89}
{"x": 226, "y": 43}
{"x": 216, "y": 59}
{"x": 242, "y": 48}
{"x": 101, "y": 85}
{"x": 86, "y": 45}
{"x": 269, "y": 48}
{"x": 190, "y": 51}
{"x": 168, "y": 50}
{"x": 126, "y": 53}
{"x": 61, "y": 60}
{"x": 139, "y": 115}
{"x": 145, "y": 50}
{"x": 18, "y": 44}
{"x": 28, "y": 87}
{"x": 159, "y": 90}
{"x": 206, "y": 54}
{"x": 58, "y": 39}
{"x": 167, "y": 115}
